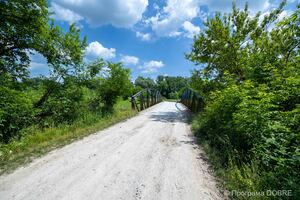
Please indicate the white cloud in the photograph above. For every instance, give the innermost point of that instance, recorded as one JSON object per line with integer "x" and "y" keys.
{"x": 130, "y": 60}
{"x": 226, "y": 5}
{"x": 173, "y": 15}
{"x": 191, "y": 29}
{"x": 119, "y": 13}
{"x": 203, "y": 15}
{"x": 284, "y": 14}
{"x": 152, "y": 66}
{"x": 38, "y": 65}
{"x": 175, "y": 34}
{"x": 175, "y": 18}
{"x": 143, "y": 36}
{"x": 64, "y": 14}
{"x": 95, "y": 49}
{"x": 155, "y": 6}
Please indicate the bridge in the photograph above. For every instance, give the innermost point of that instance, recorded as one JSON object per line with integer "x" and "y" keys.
{"x": 149, "y": 97}
{"x": 150, "y": 156}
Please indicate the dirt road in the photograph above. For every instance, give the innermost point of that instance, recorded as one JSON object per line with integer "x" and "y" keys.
{"x": 150, "y": 156}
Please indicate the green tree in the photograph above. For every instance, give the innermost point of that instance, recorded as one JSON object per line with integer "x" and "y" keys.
{"x": 111, "y": 82}
{"x": 144, "y": 83}
{"x": 170, "y": 86}
{"x": 25, "y": 29}
{"x": 225, "y": 45}
{"x": 250, "y": 79}
{"x": 16, "y": 113}
{"x": 23, "y": 25}
{"x": 116, "y": 83}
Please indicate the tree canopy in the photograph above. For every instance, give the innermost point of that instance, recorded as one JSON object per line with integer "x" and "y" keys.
{"x": 250, "y": 81}
{"x": 73, "y": 89}
{"x": 25, "y": 30}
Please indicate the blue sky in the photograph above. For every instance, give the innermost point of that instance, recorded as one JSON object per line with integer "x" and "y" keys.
{"x": 149, "y": 36}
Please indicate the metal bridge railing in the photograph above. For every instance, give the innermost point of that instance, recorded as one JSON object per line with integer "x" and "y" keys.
{"x": 192, "y": 100}
{"x": 145, "y": 98}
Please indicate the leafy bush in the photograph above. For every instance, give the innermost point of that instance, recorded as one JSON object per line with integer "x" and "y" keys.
{"x": 220, "y": 111}
{"x": 251, "y": 120}
{"x": 16, "y": 112}
{"x": 173, "y": 95}
{"x": 244, "y": 125}
{"x": 63, "y": 105}
{"x": 113, "y": 85}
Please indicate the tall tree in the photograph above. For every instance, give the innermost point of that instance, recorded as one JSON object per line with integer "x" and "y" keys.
{"x": 144, "y": 82}
{"x": 225, "y": 45}
{"x": 25, "y": 29}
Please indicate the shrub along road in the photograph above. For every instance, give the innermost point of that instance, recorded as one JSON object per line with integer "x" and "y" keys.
{"x": 150, "y": 156}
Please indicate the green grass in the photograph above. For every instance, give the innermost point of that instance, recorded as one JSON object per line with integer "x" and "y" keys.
{"x": 38, "y": 142}
{"x": 232, "y": 177}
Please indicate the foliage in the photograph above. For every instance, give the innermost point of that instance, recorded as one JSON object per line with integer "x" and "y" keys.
{"x": 25, "y": 30}
{"x": 22, "y": 26}
{"x": 72, "y": 88}
{"x": 110, "y": 83}
{"x": 144, "y": 83}
{"x": 64, "y": 105}
{"x": 37, "y": 142}
{"x": 250, "y": 81}
{"x": 15, "y": 113}
{"x": 170, "y": 86}
{"x": 114, "y": 84}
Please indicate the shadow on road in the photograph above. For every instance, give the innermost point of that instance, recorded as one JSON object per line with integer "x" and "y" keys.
{"x": 178, "y": 115}
{"x": 195, "y": 145}
{"x": 168, "y": 117}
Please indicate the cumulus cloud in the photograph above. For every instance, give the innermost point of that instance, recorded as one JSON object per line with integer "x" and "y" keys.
{"x": 174, "y": 19}
{"x": 143, "y": 36}
{"x": 173, "y": 15}
{"x": 155, "y": 6}
{"x": 64, "y": 14}
{"x": 130, "y": 60}
{"x": 226, "y": 5}
{"x": 152, "y": 66}
{"x": 175, "y": 34}
{"x": 190, "y": 29}
{"x": 95, "y": 49}
{"x": 119, "y": 13}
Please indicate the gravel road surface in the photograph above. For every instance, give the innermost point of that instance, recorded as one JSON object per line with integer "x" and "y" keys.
{"x": 150, "y": 156}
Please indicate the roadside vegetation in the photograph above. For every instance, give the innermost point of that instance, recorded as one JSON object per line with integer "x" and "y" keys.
{"x": 76, "y": 99}
{"x": 38, "y": 114}
{"x": 250, "y": 80}
{"x": 37, "y": 142}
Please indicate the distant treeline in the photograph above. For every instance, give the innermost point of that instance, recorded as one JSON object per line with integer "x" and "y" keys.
{"x": 170, "y": 87}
